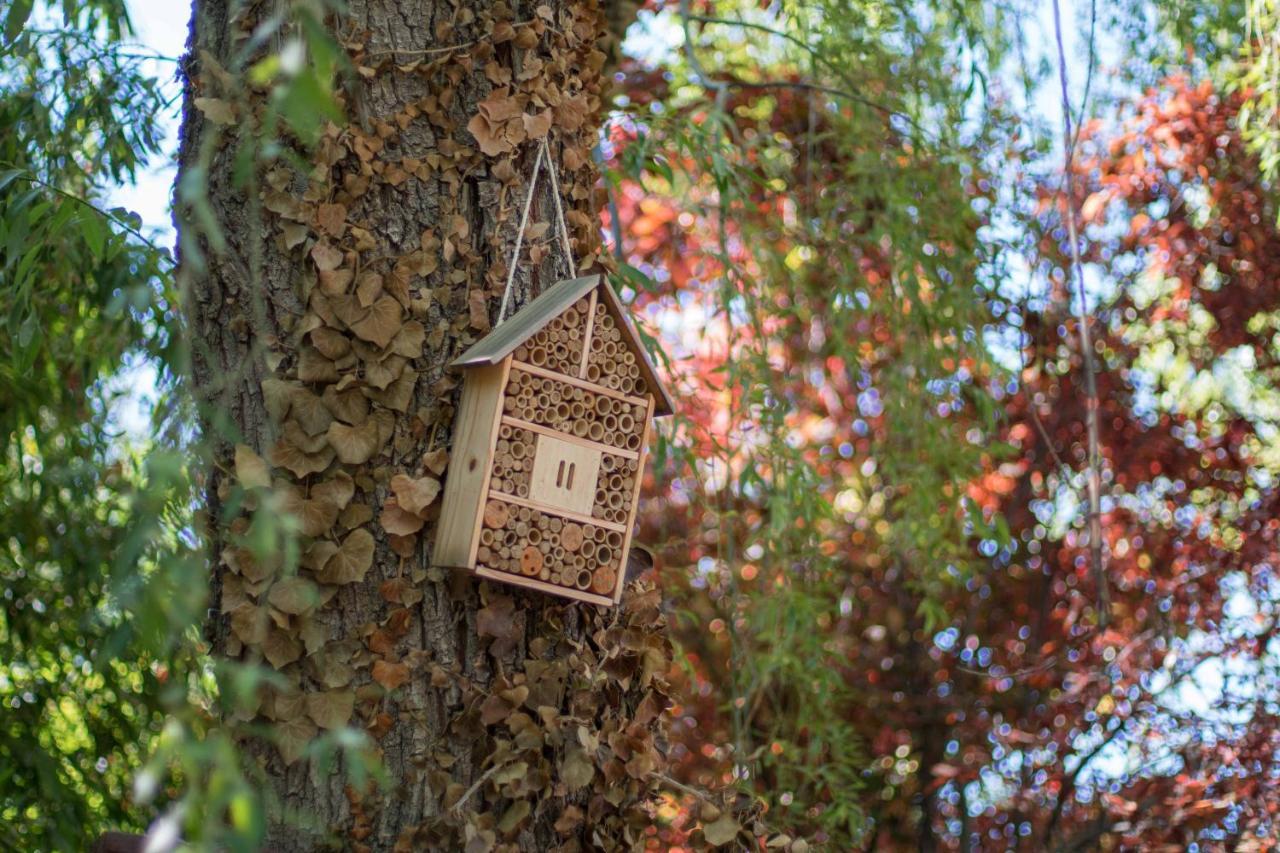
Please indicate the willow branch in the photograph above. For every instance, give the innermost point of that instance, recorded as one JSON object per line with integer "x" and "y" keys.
{"x": 1094, "y": 476}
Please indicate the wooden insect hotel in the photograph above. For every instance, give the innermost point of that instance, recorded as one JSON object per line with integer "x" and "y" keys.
{"x": 549, "y": 446}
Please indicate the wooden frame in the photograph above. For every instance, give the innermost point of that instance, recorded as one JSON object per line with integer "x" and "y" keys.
{"x": 509, "y": 477}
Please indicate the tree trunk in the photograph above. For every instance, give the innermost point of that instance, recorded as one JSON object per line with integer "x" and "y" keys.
{"x": 320, "y": 336}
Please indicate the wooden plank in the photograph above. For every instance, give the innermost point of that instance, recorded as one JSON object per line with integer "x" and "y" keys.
{"x": 569, "y": 437}
{"x": 564, "y": 474}
{"x": 586, "y": 334}
{"x": 526, "y": 322}
{"x": 556, "y": 511}
{"x": 580, "y": 383}
{"x": 470, "y": 463}
{"x": 635, "y": 504}
{"x": 543, "y": 586}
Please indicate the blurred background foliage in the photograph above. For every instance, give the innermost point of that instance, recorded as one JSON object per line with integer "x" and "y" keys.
{"x": 843, "y": 225}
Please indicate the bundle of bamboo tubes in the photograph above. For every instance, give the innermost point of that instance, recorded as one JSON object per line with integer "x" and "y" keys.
{"x": 610, "y": 361}
{"x": 513, "y": 461}
{"x": 558, "y": 346}
{"x": 573, "y": 410}
{"x": 523, "y": 541}
{"x": 615, "y": 489}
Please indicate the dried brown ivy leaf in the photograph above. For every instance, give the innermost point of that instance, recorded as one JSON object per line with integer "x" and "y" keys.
{"x": 497, "y": 618}
{"x": 383, "y": 372}
{"x": 294, "y": 434}
{"x": 332, "y": 218}
{"x": 326, "y": 257}
{"x": 577, "y": 770}
{"x": 478, "y": 306}
{"x": 252, "y": 470}
{"x": 390, "y": 675}
{"x": 408, "y": 341}
{"x": 381, "y": 323}
{"x": 537, "y": 124}
{"x": 278, "y": 396}
{"x": 415, "y": 494}
{"x": 331, "y": 343}
{"x": 310, "y": 412}
{"x": 286, "y": 455}
{"x": 315, "y": 517}
{"x": 281, "y": 649}
{"x": 399, "y": 394}
{"x": 368, "y": 288}
{"x": 351, "y": 562}
{"x": 250, "y": 623}
{"x": 332, "y": 709}
{"x": 314, "y": 367}
{"x": 349, "y": 406}
{"x": 337, "y": 490}
{"x": 293, "y": 735}
{"x": 216, "y": 110}
{"x": 294, "y": 595}
{"x": 317, "y": 555}
{"x": 397, "y": 521}
{"x": 436, "y": 460}
{"x": 354, "y": 445}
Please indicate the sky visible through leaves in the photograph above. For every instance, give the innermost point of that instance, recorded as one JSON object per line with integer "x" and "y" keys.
{"x": 162, "y": 26}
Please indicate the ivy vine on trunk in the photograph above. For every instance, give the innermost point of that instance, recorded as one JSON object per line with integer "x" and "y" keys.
{"x": 329, "y": 282}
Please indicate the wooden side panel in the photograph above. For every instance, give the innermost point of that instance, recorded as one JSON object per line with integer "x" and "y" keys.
{"x": 635, "y": 502}
{"x": 470, "y": 463}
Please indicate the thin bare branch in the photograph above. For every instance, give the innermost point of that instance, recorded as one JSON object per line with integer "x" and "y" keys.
{"x": 1092, "y": 405}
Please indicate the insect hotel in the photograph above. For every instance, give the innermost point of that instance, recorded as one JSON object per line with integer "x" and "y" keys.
{"x": 549, "y": 446}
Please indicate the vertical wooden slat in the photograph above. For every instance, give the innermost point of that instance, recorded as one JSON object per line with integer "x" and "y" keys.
{"x": 586, "y": 338}
{"x": 635, "y": 502}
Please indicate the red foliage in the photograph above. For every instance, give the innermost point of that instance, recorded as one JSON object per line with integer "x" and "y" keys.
{"x": 1021, "y": 722}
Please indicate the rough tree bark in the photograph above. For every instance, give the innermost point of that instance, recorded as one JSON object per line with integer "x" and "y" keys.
{"x": 321, "y": 336}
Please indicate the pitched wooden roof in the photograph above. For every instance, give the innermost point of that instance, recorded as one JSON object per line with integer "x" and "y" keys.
{"x": 529, "y": 320}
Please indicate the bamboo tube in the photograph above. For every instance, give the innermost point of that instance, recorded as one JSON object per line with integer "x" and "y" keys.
{"x": 580, "y": 429}
{"x": 583, "y": 579}
{"x": 633, "y": 442}
{"x": 545, "y": 574}
{"x": 595, "y": 432}
{"x": 588, "y": 549}
{"x": 538, "y": 356}
{"x": 604, "y": 555}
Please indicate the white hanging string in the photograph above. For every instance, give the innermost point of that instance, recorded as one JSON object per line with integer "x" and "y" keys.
{"x": 543, "y": 154}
